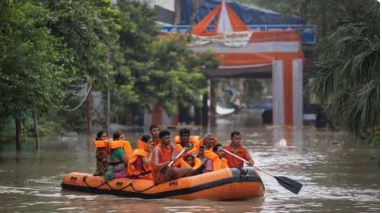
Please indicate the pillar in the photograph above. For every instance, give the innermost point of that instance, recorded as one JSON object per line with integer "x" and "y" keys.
{"x": 277, "y": 90}
{"x": 298, "y": 110}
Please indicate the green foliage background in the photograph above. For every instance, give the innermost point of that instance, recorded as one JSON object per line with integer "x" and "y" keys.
{"x": 52, "y": 50}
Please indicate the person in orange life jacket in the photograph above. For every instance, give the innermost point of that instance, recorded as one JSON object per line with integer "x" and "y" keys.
{"x": 208, "y": 141}
{"x": 119, "y": 137}
{"x": 154, "y": 132}
{"x": 117, "y": 159}
{"x": 238, "y": 149}
{"x": 184, "y": 140}
{"x": 190, "y": 160}
{"x": 162, "y": 154}
{"x": 219, "y": 150}
{"x": 200, "y": 154}
{"x": 139, "y": 162}
{"x": 102, "y": 152}
{"x": 194, "y": 162}
{"x": 214, "y": 159}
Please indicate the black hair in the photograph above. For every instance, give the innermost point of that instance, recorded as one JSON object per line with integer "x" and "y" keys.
{"x": 184, "y": 131}
{"x": 216, "y": 147}
{"x": 164, "y": 133}
{"x": 145, "y": 138}
{"x": 99, "y": 134}
{"x": 153, "y": 126}
{"x": 235, "y": 133}
{"x": 116, "y": 135}
{"x": 187, "y": 156}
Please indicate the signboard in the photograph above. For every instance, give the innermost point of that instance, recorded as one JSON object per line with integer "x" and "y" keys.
{"x": 308, "y": 32}
{"x": 234, "y": 39}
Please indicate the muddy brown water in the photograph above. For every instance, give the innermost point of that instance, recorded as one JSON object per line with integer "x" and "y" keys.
{"x": 339, "y": 174}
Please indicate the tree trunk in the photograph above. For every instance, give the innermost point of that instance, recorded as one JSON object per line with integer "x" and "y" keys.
{"x": 35, "y": 130}
{"x": 18, "y": 133}
{"x": 89, "y": 113}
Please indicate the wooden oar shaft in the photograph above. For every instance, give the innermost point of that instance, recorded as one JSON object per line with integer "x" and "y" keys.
{"x": 245, "y": 161}
{"x": 178, "y": 156}
{"x": 286, "y": 182}
{"x": 164, "y": 169}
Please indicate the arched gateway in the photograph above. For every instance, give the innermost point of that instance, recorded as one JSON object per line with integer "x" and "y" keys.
{"x": 243, "y": 52}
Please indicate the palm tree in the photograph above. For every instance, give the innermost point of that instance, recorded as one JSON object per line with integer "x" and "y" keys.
{"x": 346, "y": 77}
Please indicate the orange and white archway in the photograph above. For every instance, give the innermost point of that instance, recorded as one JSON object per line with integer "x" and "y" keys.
{"x": 242, "y": 51}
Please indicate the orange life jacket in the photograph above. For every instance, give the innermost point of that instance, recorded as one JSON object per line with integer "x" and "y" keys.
{"x": 225, "y": 162}
{"x": 141, "y": 151}
{"x": 101, "y": 144}
{"x": 217, "y": 163}
{"x": 198, "y": 163}
{"x": 195, "y": 145}
{"x": 102, "y": 149}
{"x": 122, "y": 144}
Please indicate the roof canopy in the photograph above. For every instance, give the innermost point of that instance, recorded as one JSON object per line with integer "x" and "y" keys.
{"x": 227, "y": 22}
{"x": 193, "y": 11}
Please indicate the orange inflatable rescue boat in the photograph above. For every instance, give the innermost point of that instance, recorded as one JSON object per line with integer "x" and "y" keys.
{"x": 224, "y": 184}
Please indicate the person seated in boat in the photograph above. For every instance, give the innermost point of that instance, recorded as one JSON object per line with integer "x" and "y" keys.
{"x": 208, "y": 142}
{"x": 214, "y": 159}
{"x": 102, "y": 151}
{"x": 162, "y": 155}
{"x": 139, "y": 163}
{"x": 154, "y": 132}
{"x": 184, "y": 139}
{"x": 117, "y": 158}
{"x": 236, "y": 148}
{"x": 200, "y": 154}
{"x": 119, "y": 137}
{"x": 194, "y": 162}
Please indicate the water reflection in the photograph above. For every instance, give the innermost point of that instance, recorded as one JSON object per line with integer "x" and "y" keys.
{"x": 339, "y": 174}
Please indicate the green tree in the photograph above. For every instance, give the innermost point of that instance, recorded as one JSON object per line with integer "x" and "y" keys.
{"x": 346, "y": 78}
{"x": 161, "y": 69}
{"x": 90, "y": 29}
{"x": 132, "y": 91}
{"x": 325, "y": 14}
{"x": 177, "y": 78}
{"x": 31, "y": 58}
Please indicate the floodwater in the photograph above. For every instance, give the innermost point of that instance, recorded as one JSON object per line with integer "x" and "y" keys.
{"x": 338, "y": 173}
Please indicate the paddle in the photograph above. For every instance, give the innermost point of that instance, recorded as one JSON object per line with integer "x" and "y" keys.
{"x": 164, "y": 169}
{"x": 286, "y": 182}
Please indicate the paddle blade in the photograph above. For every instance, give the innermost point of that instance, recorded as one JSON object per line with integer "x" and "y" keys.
{"x": 289, "y": 184}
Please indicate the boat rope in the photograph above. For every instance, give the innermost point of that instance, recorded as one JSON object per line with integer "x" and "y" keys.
{"x": 132, "y": 187}
{"x": 84, "y": 180}
{"x": 129, "y": 185}
{"x": 107, "y": 183}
